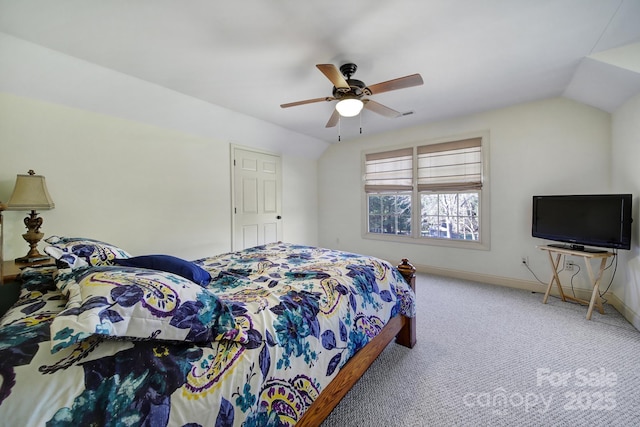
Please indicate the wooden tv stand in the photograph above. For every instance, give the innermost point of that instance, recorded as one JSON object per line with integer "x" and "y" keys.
{"x": 595, "y": 280}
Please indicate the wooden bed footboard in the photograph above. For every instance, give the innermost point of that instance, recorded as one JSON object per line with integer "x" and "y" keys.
{"x": 407, "y": 335}
{"x": 400, "y": 327}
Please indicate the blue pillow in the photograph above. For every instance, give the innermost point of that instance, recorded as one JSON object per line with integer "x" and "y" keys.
{"x": 169, "y": 264}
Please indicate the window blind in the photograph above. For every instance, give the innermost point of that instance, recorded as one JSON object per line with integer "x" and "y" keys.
{"x": 389, "y": 171}
{"x": 450, "y": 166}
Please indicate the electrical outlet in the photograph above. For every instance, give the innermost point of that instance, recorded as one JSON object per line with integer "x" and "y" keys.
{"x": 568, "y": 265}
{"x": 525, "y": 260}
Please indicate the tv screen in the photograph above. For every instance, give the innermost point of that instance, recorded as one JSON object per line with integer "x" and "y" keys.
{"x": 600, "y": 220}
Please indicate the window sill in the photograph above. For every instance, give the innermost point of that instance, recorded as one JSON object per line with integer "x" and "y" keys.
{"x": 460, "y": 244}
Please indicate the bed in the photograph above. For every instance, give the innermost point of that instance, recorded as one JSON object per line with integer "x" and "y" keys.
{"x": 271, "y": 335}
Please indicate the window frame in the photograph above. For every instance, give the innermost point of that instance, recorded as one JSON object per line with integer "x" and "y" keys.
{"x": 484, "y": 243}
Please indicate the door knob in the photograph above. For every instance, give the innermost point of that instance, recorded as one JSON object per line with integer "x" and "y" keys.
{"x": 278, "y": 217}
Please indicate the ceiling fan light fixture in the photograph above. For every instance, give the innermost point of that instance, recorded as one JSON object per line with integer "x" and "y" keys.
{"x": 349, "y": 107}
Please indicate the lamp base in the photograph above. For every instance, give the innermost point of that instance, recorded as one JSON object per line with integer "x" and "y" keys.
{"x": 32, "y": 236}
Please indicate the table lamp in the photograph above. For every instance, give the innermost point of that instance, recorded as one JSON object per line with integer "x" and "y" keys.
{"x": 30, "y": 193}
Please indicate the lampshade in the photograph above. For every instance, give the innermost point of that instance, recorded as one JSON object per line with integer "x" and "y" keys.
{"x": 349, "y": 107}
{"x": 30, "y": 193}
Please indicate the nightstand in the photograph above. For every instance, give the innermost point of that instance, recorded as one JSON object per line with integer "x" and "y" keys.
{"x": 10, "y": 288}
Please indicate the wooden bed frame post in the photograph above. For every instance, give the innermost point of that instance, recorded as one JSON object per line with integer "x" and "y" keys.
{"x": 407, "y": 335}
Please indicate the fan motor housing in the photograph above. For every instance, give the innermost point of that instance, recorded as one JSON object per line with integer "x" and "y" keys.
{"x": 357, "y": 89}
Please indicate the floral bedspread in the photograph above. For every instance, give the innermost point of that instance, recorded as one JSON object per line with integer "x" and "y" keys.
{"x": 302, "y": 311}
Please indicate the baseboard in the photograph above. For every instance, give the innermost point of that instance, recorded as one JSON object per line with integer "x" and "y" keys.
{"x": 624, "y": 309}
{"x": 526, "y": 285}
{"x": 529, "y": 285}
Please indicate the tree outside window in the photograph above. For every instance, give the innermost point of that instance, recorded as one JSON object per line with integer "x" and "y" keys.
{"x": 450, "y": 216}
{"x": 390, "y": 213}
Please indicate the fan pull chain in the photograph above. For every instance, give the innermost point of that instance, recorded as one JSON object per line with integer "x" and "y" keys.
{"x": 339, "y": 129}
{"x": 360, "y": 116}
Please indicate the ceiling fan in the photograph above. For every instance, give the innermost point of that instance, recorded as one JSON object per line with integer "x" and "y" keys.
{"x": 350, "y": 92}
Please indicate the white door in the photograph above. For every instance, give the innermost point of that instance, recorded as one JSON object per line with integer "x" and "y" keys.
{"x": 257, "y": 200}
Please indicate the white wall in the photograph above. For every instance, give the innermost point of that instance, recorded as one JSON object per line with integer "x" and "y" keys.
{"x": 145, "y": 188}
{"x": 32, "y": 71}
{"x": 131, "y": 184}
{"x": 551, "y": 146}
{"x": 133, "y": 163}
{"x": 626, "y": 177}
{"x": 300, "y": 200}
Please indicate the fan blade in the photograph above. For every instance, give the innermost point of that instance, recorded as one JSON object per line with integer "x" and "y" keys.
{"x": 308, "y": 101}
{"x": 333, "y": 74}
{"x": 399, "y": 83}
{"x": 376, "y": 107}
{"x": 333, "y": 120}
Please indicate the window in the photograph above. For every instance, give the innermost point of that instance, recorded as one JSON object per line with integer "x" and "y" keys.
{"x": 389, "y": 184}
{"x": 444, "y": 181}
{"x": 450, "y": 216}
{"x": 390, "y": 213}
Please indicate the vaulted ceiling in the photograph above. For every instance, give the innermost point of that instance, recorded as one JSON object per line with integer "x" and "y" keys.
{"x": 250, "y": 56}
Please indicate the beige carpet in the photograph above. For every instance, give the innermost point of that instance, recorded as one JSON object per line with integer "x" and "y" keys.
{"x": 494, "y": 356}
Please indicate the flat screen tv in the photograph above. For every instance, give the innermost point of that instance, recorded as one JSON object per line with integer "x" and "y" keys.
{"x": 600, "y": 220}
